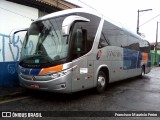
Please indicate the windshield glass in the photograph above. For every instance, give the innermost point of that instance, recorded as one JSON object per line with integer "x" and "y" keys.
{"x": 44, "y": 42}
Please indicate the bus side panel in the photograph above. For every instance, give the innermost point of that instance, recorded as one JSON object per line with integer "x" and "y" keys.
{"x": 131, "y": 62}
{"x": 111, "y": 57}
{"x": 115, "y": 56}
{"x": 82, "y": 76}
{"x": 122, "y": 63}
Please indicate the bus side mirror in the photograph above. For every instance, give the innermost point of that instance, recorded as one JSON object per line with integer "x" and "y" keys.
{"x": 13, "y": 32}
{"x": 68, "y": 21}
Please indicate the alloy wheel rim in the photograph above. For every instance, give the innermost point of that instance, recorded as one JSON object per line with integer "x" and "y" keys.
{"x": 101, "y": 81}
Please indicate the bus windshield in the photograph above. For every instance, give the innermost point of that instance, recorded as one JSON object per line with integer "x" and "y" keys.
{"x": 44, "y": 42}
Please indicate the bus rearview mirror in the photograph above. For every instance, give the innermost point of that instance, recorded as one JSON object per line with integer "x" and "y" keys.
{"x": 13, "y": 32}
{"x": 68, "y": 21}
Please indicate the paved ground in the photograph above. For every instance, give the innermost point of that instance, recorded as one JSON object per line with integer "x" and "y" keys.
{"x": 129, "y": 95}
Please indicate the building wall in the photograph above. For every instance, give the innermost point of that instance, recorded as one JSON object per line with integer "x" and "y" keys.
{"x": 12, "y": 16}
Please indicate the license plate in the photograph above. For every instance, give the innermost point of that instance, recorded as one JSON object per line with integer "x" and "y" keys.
{"x": 35, "y": 86}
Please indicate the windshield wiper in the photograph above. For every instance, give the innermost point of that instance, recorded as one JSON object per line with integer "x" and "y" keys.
{"x": 54, "y": 30}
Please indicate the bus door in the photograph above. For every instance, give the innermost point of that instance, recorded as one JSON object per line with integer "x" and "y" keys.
{"x": 82, "y": 76}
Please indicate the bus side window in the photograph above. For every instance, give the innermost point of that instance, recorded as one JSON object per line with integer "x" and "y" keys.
{"x": 80, "y": 42}
{"x": 102, "y": 42}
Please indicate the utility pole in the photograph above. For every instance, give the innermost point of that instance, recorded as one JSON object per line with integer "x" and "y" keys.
{"x": 138, "y": 23}
{"x": 155, "y": 57}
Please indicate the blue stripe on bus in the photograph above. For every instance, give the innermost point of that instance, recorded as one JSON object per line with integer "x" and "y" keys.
{"x": 130, "y": 59}
{"x": 139, "y": 62}
{"x": 29, "y": 71}
{"x": 25, "y": 71}
{"x": 35, "y": 71}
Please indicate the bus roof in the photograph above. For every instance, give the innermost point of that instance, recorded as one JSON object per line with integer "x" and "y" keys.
{"x": 69, "y": 11}
{"x": 90, "y": 11}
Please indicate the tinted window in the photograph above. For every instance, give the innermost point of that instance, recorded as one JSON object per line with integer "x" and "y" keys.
{"x": 138, "y": 44}
{"x": 114, "y": 35}
{"x": 118, "y": 37}
{"x": 144, "y": 46}
{"x": 133, "y": 43}
{"x": 103, "y": 41}
{"x": 82, "y": 41}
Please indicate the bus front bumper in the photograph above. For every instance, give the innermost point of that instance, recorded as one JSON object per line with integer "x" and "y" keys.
{"x": 60, "y": 84}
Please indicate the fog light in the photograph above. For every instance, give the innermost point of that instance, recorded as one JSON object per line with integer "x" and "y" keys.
{"x": 63, "y": 85}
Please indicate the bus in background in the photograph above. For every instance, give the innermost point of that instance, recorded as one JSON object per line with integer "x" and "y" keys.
{"x": 78, "y": 49}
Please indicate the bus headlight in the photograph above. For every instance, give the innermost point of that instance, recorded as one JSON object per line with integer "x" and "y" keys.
{"x": 62, "y": 73}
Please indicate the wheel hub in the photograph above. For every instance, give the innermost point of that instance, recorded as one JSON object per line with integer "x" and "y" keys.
{"x": 101, "y": 81}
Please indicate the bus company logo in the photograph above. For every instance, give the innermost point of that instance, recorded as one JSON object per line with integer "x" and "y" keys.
{"x": 99, "y": 54}
{"x": 33, "y": 78}
{"x": 6, "y": 114}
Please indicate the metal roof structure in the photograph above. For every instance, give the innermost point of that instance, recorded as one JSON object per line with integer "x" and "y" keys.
{"x": 46, "y": 5}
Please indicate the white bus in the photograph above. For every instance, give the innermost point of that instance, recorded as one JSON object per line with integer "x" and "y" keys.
{"x": 78, "y": 49}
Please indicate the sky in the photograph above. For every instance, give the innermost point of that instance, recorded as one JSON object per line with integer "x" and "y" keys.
{"x": 125, "y": 13}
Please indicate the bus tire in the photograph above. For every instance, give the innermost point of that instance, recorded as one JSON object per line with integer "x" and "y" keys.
{"x": 101, "y": 82}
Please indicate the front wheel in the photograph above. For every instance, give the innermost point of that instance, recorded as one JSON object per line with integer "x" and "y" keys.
{"x": 101, "y": 82}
